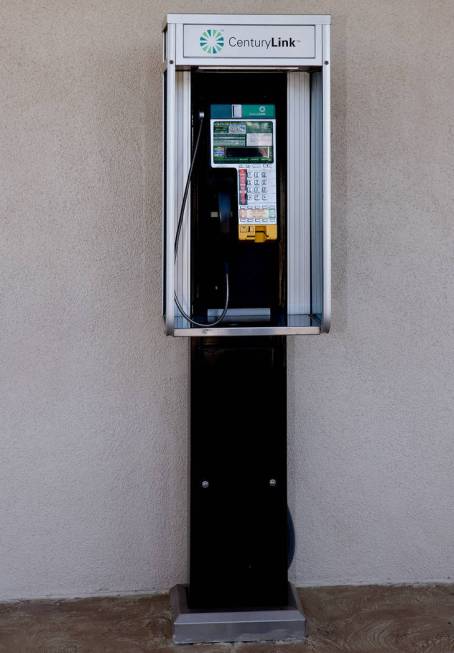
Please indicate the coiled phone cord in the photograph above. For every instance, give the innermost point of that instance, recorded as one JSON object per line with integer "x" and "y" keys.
{"x": 177, "y": 240}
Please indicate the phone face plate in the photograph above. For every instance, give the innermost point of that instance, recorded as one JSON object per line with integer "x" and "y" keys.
{"x": 243, "y": 137}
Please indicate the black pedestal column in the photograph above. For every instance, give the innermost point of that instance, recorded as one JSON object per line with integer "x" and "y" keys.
{"x": 238, "y": 471}
{"x": 238, "y": 589}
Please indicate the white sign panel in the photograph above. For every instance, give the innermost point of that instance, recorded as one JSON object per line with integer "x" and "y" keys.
{"x": 249, "y": 41}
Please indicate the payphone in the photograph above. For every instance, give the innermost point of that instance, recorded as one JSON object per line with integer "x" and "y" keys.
{"x": 246, "y": 263}
{"x": 243, "y": 137}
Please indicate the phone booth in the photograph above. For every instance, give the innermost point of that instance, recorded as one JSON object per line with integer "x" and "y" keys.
{"x": 246, "y": 263}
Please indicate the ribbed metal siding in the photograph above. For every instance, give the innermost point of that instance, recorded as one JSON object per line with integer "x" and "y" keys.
{"x": 298, "y": 194}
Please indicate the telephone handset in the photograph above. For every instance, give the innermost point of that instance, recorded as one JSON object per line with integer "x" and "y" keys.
{"x": 243, "y": 137}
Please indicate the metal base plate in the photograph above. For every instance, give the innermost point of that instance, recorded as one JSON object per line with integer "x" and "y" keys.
{"x": 193, "y": 626}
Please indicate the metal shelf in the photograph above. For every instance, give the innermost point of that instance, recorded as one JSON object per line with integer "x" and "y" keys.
{"x": 295, "y": 325}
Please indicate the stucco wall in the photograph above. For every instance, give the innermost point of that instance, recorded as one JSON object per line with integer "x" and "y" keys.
{"x": 93, "y": 396}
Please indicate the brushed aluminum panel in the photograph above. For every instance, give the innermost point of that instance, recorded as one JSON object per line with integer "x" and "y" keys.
{"x": 298, "y": 194}
{"x": 193, "y": 626}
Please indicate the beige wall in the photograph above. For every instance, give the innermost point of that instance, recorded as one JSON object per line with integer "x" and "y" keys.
{"x": 93, "y": 396}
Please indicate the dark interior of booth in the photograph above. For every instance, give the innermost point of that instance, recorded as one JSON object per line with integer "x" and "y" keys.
{"x": 257, "y": 271}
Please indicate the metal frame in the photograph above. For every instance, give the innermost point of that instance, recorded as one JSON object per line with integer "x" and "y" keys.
{"x": 247, "y": 19}
{"x": 194, "y": 626}
{"x": 169, "y": 191}
{"x": 315, "y": 21}
{"x": 316, "y": 193}
{"x": 326, "y": 72}
{"x": 297, "y": 325}
{"x": 183, "y": 156}
{"x": 309, "y": 298}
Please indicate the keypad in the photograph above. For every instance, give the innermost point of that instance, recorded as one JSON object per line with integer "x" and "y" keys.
{"x": 257, "y": 195}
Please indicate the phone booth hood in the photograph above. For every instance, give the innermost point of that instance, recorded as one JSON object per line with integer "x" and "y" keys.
{"x": 277, "y": 139}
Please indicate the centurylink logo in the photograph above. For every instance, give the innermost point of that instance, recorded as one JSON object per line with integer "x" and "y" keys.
{"x": 212, "y": 41}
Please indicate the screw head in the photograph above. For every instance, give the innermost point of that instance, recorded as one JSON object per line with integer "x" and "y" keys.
{"x": 205, "y": 484}
{"x": 273, "y": 482}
